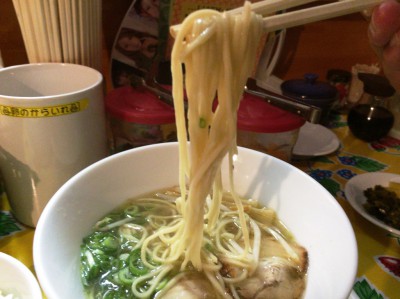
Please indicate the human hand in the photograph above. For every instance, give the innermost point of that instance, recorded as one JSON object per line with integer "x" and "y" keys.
{"x": 384, "y": 37}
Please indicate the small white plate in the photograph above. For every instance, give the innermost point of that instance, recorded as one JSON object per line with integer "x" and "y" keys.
{"x": 354, "y": 191}
{"x": 17, "y": 279}
{"x": 315, "y": 140}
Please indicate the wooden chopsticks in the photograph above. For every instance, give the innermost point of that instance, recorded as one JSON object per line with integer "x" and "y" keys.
{"x": 317, "y": 13}
{"x": 267, "y": 7}
{"x": 264, "y": 8}
{"x": 298, "y": 17}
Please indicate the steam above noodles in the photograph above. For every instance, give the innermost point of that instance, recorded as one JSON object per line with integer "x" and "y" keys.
{"x": 197, "y": 240}
{"x": 219, "y": 52}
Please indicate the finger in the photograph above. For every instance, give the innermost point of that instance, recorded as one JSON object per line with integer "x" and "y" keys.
{"x": 391, "y": 65}
{"x": 385, "y": 22}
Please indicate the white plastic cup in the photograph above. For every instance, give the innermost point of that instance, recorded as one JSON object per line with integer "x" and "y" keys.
{"x": 52, "y": 125}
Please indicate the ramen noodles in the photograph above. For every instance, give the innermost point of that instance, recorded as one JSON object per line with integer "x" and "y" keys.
{"x": 199, "y": 241}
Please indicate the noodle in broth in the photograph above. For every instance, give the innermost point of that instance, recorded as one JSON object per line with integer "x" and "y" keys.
{"x": 199, "y": 238}
{"x": 130, "y": 253}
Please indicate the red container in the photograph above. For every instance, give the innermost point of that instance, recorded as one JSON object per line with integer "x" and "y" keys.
{"x": 137, "y": 117}
{"x": 266, "y": 128}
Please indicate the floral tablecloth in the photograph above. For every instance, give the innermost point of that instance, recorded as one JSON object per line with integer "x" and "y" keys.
{"x": 378, "y": 273}
{"x": 379, "y": 251}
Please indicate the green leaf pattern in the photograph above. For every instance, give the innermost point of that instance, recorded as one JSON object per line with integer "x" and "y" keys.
{"x": 8, "y": 225}
{"x": 365, "y": 290}
{"x": 331, "y": 185}
{"x": 368, "y": 164}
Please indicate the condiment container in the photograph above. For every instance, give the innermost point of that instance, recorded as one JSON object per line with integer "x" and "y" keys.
{"x": 372, "y": 120}
{"x": 340, "y": 79}
{"x": 267, "y": 128}
{"x": 137, "y": 117}
{"x": 312, "y": 92}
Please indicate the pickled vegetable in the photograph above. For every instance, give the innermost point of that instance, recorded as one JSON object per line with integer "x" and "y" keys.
{"x": 384, "y": 204}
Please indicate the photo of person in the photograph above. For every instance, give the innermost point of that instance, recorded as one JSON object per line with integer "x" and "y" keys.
{"x": 124, "y": 75}
{"x": 137, "y": 43}
{"x": 147, "y": 8}
{"x": 131, "y": 41}
{"x": 140, "y": 47}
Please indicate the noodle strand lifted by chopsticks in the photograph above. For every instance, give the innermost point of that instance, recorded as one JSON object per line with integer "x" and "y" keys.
{"x": 219, "y": 52}
{"x": 157, "y": 244}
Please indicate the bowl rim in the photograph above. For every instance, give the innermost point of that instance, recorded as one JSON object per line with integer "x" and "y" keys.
{"x": 27, "y": 278}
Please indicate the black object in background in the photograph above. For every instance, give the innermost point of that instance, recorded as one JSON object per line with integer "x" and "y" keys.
{"x": 372, "y": 121}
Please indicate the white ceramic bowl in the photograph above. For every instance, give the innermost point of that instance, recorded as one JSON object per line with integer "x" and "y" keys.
{"x": 311, "y": 213}
{"x": 16, "y": 279}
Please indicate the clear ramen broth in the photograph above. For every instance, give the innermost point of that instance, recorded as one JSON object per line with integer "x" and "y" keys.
{"x": 125, "y": 256}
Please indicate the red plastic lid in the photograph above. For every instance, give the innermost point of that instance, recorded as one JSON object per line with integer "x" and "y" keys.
{"x": 138, "y": 106}
{"x": 256, "y": 115}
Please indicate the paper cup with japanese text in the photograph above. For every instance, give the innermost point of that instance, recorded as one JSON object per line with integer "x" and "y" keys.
{"x": 52, "y": 125}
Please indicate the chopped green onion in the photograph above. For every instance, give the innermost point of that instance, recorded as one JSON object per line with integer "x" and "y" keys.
{"x": 162, "y": 284}
{"x": 89, "y": 269}
{"x": 104, "y": 241}
{"x": 209, "y": 247}
{"x": 125, "y": 276}
{"x": 202, "y": 123}
{"x": 131, "y": 211}
{"x": 136, "y": 265}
